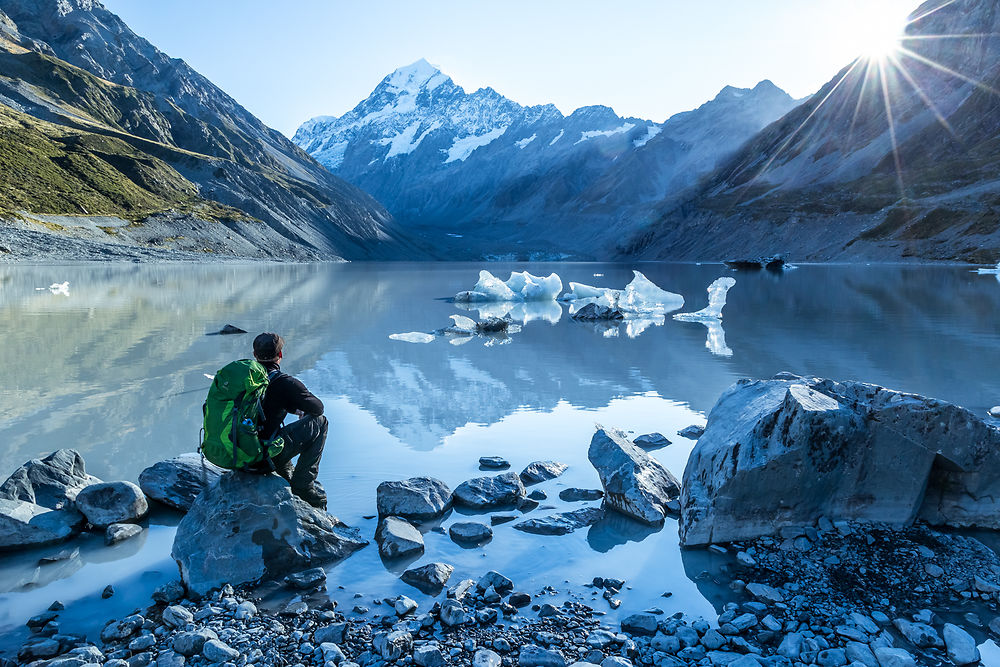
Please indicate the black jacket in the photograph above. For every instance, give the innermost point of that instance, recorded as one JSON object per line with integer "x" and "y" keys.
{"x": 285, "y": 394}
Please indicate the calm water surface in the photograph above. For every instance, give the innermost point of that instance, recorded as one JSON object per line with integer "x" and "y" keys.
{"x": 116, "y": 369}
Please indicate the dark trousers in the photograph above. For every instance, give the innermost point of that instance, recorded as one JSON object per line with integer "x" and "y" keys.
{"x": 304, "y": 438}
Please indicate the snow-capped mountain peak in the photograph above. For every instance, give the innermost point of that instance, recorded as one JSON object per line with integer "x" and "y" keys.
{"x": 413, "y": 78}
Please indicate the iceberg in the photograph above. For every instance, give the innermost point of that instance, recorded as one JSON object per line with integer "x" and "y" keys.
{"x": 521, "y": 286}
{"x": 643, "y": 296}
{"x": 990, "y": 272}
{"x": 56, "y": 288}
{"x": 581, "y": 291}
{"x": 413, "y": 337}
{"x": 716, "y": 302}
{"x": 463, "y": 323}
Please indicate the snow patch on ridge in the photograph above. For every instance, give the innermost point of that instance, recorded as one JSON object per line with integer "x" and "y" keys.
{"x": 524, "y": 142}
{"x": 404, "y": 143}
{"x": 590, "y": 134}
{"x": 650, "y": 133}
{"x": 464, "y": 147}
{"x": 558, "y": 137}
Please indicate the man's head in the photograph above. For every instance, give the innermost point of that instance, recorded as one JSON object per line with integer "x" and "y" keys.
{"x": 267, "y": 347}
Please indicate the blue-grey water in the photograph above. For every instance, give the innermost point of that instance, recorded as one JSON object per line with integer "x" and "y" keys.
{"x": 115, "y": 367}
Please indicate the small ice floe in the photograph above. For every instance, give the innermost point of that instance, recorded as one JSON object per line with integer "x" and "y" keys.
{"x": 995, "y": 271}
{"x": 711, "y": 317}
{"x": 521, "y": 286}
{"x": 413, "y": 337}
{"x": 56, "y": 288}
{"x": 716, "y": 302}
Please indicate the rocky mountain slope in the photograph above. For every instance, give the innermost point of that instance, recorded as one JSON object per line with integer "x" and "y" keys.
{"x": 106, "y": 140}
{"x": 477, "y": 174}
{"x": 865, "y": 170}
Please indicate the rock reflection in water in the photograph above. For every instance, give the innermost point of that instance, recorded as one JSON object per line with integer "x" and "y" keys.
{"x": 616, "y": 529}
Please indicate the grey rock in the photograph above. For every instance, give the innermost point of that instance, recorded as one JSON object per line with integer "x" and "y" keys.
{"x": 429, "y": 579}
{"x": 177, "y": 616}
{"x": 791, "y": 646}
{"x": 51, "y": 482}
{"x": 218, "y": 651}
{"x": 247, "y": 527}
{"x": 495, "y": 462}
{"x": 562, "y": 523}
{"x": 334, "y": 633}
{"x": 307, "y": 578}
{"x": 497, "y": 581}
{"x": 831, "y": 657}
{"x": 490, "y": 492}
{"x": 119, "y": 532}
{"x": 536, "y": 656}
{"x": 616, "y": 661}
{"x": 634, "y": 483}
{"x": 417, "y": 498}
{"x": 24, "y": 524}
{"x": 851, "y": 633}
{"x": 404, "y": 606}
{"x": 651, "y": 441}
{"x": 38, "y": 649}
{"x": 600, "y": 638}
{"x": 245, "y": 610}
{"x": 920, "y": 635}
{"x": 859, "y": 652}
{"x": 692, "y": 432}
{"x": 170, "y": 659}
{"x": 863, "y": 622}
{"x": 486, "y": 658}
{"x": 177, "y": 482}
{"x": 393, "y": 645}
{"x": 540, "y": 471}
{"x": 894, "y": 657}
{"x": 574, "y": 494}
{"x": 498, "y": 519}
{"x": 595, "y": 312}
{"x": 639, "y": 624}
{"x": 470, "y": 532}
{"x": 332, "y": 653}
{"x": 960, "y": 645}
{"x": 453, "y": 613}
{"x": 112, "y": 502}
{"x": 428, "y": 655}
{"x": 118, "y": 630}
{"x": 827, "y": 437}
{"x": 538, "y": 495}
{"x": 141, "y": 643}
{"x": 169, "y": 593}
{"x": 397, "y": 538}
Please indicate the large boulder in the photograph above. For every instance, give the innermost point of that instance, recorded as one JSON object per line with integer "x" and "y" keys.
{"x": 112, "y": 502}
{"x": 635, "y": 483}
{"x": 51, "y": 482}
{"x": 247, "y": 528}
{"x": 415, "y": 499}
{"x": 490, "y": 492}
{"x": 178, "y": 481}
{"x": 24, "y": 524}
{"x": 789, "y": 450}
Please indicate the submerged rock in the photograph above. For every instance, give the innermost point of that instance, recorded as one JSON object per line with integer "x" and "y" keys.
{"x": 635, "y": 484}
{"x": 429, "y": 579}
{"x": 24, "y": 524}
{"x": 417, "y": 498}
{"x": 398, "y": 538}
{"x": 651, "y": 441}
{"x": 574, "y": 494}
{"x": 692, "y": 432}
{"x": 112, "y": 502}
{"x": 560, "y": 524}
{"x": 789, "y": 450}
{"x": 495, "y": 462}
{"x": 541, "y": 471}
{"x": 246, "y": 528}
{"x": 490, "y": 492}
{"x": 178, "y": 481}
{"x": 50, "y": 482}
{"x": 119, "y": 532}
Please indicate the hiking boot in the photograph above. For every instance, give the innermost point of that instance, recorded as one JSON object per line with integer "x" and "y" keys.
{"x": 313, "y": 495}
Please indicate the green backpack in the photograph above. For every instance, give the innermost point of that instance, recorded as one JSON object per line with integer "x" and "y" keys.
{"x": 233, "y": 416}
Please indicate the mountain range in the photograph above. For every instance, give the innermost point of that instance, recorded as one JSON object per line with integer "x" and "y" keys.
{"x": 892, "y": 159}
{"x": 108, "y": 142}
{"x": 478, "y": 175}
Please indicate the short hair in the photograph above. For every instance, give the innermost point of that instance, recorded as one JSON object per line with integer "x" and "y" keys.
{"x": 267, "y": 346}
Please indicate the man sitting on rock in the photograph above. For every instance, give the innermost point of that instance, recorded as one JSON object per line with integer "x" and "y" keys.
{"x": 304, "y": 438}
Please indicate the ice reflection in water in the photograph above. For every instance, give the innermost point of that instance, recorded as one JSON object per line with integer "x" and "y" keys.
{"x": 117, "y": 370}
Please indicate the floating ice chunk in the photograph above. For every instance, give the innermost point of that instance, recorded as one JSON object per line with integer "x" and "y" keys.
{"x": 459, "y": 341}
{"x": 413, "y": 337}
{"x": 987, "y": 272}
{"x": 494, "y": 288}
{"x": 463, "y": 323}
{"x": 56, "y": 288}
{"x": 641, "y": 295}
{"x": 521, "y": 286}
{"x": 581, "y": 291}
{"x": 716, "y": 302}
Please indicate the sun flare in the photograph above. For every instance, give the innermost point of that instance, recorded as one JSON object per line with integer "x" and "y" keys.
{"x": 877, "y": 32}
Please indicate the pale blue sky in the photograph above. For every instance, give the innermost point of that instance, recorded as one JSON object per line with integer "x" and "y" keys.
{"x": 289, "y": 61}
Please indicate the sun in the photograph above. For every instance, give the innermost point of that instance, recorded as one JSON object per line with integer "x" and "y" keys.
{"x": 876, "y": 32}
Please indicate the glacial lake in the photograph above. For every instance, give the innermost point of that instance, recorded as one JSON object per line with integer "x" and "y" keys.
{"x": 115, "y": 366}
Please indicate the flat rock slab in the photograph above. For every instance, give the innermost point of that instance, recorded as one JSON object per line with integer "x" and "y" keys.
{"x": 789, "y": 450}
{"x": 490, "y": 492}
{"x": 561, "y": 524}
{"x": 470, "y": 532}
{"x": 540, "y": 471}
{"x": 24, "y": 524}
{"x": 397, "y": 538}
{"x": 574, "y": 494}
{"x": 417, "y": 498}
{"x": 246, "y": 528}
{"x": 51, "y": 482}
{"x": 494, "y": 462}
{"x": 112, "y": 502}
{"x": 635, "y": 483}
{"x": 177, "y": 482}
